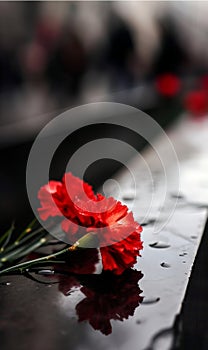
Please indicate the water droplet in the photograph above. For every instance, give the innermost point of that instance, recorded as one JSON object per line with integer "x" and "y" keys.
{"x": 128, "y": 195}
{"x": 45, "y": 272}
{"x": 5, "y": 283}
{"x": 138, "y": 321}
{"x": 164, "y": 264}
{"x": 151, "y": 300}
{"x": 177, "y": 195}
{"x": 159, "y": 245}
{"x": 183, "y": 254}
{"x": 184, "y": 262}
{"x": 149, "y": 222}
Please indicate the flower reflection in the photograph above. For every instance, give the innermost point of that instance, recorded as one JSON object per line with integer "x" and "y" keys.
{"x": 107, "y": 297}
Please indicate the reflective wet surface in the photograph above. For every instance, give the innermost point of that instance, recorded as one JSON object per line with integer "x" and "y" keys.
{"x": 50, "y": 309}
{"x": 47, "y": 309}
{"x": 69, "y": 314}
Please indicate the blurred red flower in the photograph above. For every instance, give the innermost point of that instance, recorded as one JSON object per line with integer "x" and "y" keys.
{"x": 204, "y": 82}
{"x": 196, "y": 102}
{"x": 168, "y": 84}
{"x": 117, "y": 232}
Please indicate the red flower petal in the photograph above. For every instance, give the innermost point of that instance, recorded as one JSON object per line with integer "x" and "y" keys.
{"x": 48, "y": 205}
{"x": 122, "y": 255}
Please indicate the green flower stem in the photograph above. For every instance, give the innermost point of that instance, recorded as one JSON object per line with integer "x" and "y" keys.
{"x": 6, "y": 237}
{"x": 16, "y": 269}
{"x": 86, "y": 241}
{"x": 23, "y": 250}
{"x": 25, "y": 232}
{"x": 24, "y": 241}
{"x": 25, "y": 265}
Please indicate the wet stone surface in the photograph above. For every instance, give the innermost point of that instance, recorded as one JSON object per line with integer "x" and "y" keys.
{"x": 47, "y": 311}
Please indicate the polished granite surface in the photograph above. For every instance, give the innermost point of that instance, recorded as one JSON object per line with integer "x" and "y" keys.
{"x": 139, "y": 309}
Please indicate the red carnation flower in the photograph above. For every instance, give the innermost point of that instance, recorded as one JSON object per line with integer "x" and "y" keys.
{"x": 117, "y": 232}
{"x": 168, "y": 84}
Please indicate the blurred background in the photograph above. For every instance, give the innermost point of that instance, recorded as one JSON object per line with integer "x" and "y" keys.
{"x": 57, "y": 55}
